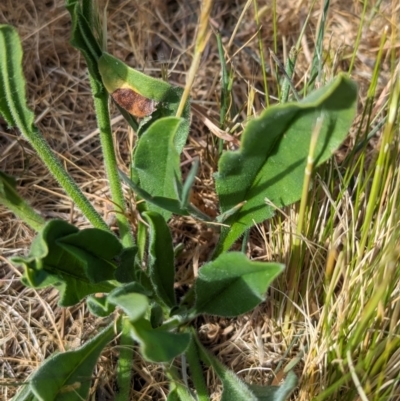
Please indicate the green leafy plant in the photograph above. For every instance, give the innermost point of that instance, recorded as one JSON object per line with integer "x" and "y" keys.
{"x": 265, "y": 173}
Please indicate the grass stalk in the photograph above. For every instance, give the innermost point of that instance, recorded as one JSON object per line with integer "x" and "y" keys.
{"x": 293, "y": 269}
{"x": 203, "y": 35}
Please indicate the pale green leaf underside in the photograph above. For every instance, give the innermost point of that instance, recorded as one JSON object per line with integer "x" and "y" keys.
{"x": 269, "y": 166}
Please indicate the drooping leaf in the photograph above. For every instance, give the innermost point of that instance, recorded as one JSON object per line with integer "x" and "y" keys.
{"x": 159, "y": 345}
{"x": 71, "y": 269}
{"x": 161, "y": 258}
{"x": 67, "y": 376}
{"x": 156, "y": 161}
{"x": 97, "y": 249}
{"x": 10, "y": 198}
{"x": 232, "y": 284}
{"x": 117, "y": 75}
{"x": 268, "y": 169}
{"x": 132, "y": 299}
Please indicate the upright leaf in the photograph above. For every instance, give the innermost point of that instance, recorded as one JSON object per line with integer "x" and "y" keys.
{"x": 156, "y": 161}
{"x": 13, "y": 105}
{"x": 67, "y": 376}
{"x": 82, "y": 38}
{"x": 268, "y": 169}
{"x": 161, "y": 258}
{"x": 232, "y": 284}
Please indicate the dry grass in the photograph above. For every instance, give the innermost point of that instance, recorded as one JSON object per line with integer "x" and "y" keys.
{"x": 150, "y": 36}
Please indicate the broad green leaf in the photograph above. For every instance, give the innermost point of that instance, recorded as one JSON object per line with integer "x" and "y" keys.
{"x": 117, "y": 74}
{"x": 158, "y": 345}
{"x": 67, "y": 376}
{"x": 232, "y": 284}
{"x": 161, "y": 258}
{"x": 10, "y": 198}
{"x": 156, "y": 161}
{"x": 132, "y": 299}
{"x": 233, "y": 388}
{"x": 275, "y": 393}
{"x": 71, "y": 269}
{"x": 268, "y": 169}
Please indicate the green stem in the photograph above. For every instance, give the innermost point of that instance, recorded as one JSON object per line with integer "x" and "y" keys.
{"x": 125, "y": 360}
{"x": 196, "y": 370}
{"x": 63, "y": 178}
{"x": 110, "y": 163}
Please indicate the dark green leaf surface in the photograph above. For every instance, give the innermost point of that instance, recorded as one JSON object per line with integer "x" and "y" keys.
{"x": 232, "y": 284}
{"x": 67, "y": 376}
{"x": 269, "y": 166}
{"x": 161, "y": 258}
{"x": 73, "y": 270}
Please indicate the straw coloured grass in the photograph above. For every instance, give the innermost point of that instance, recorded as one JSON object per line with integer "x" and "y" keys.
{"x": 333, "y": 315}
